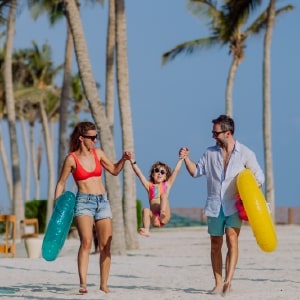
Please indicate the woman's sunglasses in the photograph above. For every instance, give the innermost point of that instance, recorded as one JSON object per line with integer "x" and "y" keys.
{"x": 90, "y": 137}
{"x": 161, "y": 171}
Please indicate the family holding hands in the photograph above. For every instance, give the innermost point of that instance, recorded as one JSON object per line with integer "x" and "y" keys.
{"x": 220, "y": 163}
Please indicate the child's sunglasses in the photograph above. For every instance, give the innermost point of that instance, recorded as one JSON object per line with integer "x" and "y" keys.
{"x": 161, "y": 171}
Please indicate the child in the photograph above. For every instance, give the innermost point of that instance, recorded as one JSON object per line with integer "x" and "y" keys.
{"x": 158, "y": 187}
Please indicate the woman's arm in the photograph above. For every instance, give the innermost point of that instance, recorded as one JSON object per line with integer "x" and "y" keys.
{"x": 113, "y": 168}
{"x": 64, "y": 174}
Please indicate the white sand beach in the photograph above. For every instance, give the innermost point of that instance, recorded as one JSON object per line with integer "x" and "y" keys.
{"x": 173, "y": 263}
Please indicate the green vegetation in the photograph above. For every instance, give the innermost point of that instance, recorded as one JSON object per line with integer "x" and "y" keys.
{"x": 139, "y": 208}
{"x": 37, "y": 209}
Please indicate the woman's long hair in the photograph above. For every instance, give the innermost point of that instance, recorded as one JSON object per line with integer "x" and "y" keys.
{"x": 80, "y": 129}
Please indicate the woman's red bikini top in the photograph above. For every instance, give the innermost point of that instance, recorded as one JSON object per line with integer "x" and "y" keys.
{"x": 81, "y": 174}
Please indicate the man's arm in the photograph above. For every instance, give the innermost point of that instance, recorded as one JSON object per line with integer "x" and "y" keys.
{"x": 189, "y": 164}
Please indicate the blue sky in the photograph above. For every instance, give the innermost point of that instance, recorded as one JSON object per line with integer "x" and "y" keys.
{"x": 173, "y": 105}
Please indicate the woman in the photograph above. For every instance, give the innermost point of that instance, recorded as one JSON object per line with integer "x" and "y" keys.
{"x": 85, "y": 162}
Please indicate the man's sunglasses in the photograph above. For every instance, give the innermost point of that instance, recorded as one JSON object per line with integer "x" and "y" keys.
{"x": 216, "y": 133}
{"x": 90, "y": 137}
{"x": 161, "y": 171}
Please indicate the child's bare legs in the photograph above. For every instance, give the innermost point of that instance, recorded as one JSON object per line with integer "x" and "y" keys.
{"x": 165, "y": 211}
{"x": 146, "y": 214}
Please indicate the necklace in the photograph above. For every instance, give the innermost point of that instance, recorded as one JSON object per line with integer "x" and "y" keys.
{"x": 226, "y": 158}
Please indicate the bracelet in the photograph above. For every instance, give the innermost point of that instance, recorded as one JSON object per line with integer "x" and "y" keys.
{"x": 134, "y": 163}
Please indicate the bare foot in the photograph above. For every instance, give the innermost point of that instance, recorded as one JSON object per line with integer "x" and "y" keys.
{"x": 226, "y": 288}
{"x": 105, "y": 289}
{"x": 144, "y": 232}
{"x": 83, "y": 289}
{"x": 162, "y": 214}
{"x": 164, "y": 218}
{"x": 216, "y": 291}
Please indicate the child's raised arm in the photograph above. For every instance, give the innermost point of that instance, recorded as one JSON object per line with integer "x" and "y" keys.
{"x": 139, "y": 173}
{"x": 175, "y": 172}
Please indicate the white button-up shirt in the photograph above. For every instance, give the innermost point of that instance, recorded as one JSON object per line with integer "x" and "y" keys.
{"x": 221, "y": 186}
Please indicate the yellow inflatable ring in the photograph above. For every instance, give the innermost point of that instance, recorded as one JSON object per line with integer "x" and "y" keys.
{"x": 257, "y": 211}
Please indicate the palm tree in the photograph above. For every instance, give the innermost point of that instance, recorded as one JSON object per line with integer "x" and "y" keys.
{"x": 18, "y": 203}
{"x": 110, "y": 55}
{"x": 6, "y": 168}
{"x": 65, "y": 101}
{"x": 49, "y": 153}
{"x": 27, "y": 155}
{"x": 267, "y": 130}
{"x": 126, "y": 124}
{"x": 4, "y": 6}
{"x": 55, "y": 13}
{"x": 41, "y": 100}
{"x": 21, "y": 78}
{"x": 98, "y": 113}
{"x": 235, "y": 14}
{"x": 79, "y": 101}
{"x": 237, "y": 11}
{"x": 3, "y": 153}
{"x": 222, "y": 34}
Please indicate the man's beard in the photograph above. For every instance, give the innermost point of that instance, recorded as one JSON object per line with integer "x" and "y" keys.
{"x": 220, "y": 143}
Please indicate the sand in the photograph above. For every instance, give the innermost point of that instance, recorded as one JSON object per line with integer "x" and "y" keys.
{"x": 172, "y": 264}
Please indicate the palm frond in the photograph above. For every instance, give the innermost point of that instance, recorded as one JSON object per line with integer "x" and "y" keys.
{"x": 261, "y": 21}
{"x": 208, "y": 9}
{"x": 200, "y": 8}
{"x": 54, "y": 10}
{"x": 189, "y": 48}
{"x": 4, "y": 10}
{"x": 236, "y": 12}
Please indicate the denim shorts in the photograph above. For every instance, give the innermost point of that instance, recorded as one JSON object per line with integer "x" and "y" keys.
{"x": 96, "y": 206}
{"x": 217, "y": 226}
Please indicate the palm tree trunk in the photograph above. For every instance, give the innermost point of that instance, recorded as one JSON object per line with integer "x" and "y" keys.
{"x": 112, "y": 182}
{"x": 110, "y": 55}
{"x": 49, "y": 154}
{"x": 65, "y": 101}
{"x": 27, "y": 159}
{"x": 18, "y": 203}
{"x": 34, "y": 162}
{"x": 6, "y": 169}
{"x": 129, "y": 186}
{"x": 267, "y": 108}
{"x": 229, "y": 87}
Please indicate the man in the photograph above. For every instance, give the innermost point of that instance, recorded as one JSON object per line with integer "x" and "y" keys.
{"x": 221, "y": 164}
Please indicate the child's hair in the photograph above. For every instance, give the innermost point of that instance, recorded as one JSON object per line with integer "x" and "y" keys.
{"x": 157, "y": 165}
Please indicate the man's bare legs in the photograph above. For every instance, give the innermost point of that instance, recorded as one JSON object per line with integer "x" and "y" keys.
{"x": 216, "y": 262}
{"x": 104, "y": 233}
{"x": 85, "y": 231}
{"x": 165, "y": 211}
{"x": 231, "y": 257}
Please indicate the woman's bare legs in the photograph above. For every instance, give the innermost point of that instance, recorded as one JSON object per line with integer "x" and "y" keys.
{"x": 85, "y": 231}
{"x": 104, "y": 233}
